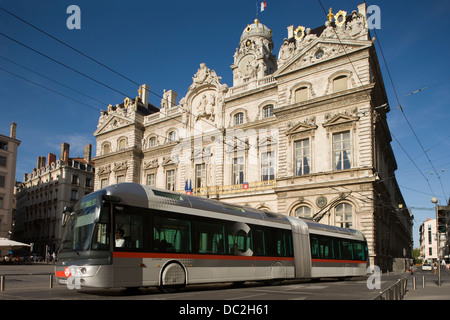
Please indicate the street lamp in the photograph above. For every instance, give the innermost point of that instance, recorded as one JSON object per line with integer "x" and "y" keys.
{"x": 438, "y": 239}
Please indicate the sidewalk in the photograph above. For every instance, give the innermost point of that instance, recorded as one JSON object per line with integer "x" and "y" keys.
{"x": 431, "y": 291}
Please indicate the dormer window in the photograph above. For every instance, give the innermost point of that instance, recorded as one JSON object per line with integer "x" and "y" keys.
{"x": 106, "y": 148}
{"x": 340, "y": 83}
{"x": 122, "y": 144}
{"x": 173, "y": 136}
{"x": 152, "y": 142}
{"x": 301, "y": 94}
{"x": 268, "y": 111}
{"x": 238, "y": 118}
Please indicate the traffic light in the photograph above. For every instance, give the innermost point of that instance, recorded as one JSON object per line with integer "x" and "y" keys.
{"x": 442, "y": 218}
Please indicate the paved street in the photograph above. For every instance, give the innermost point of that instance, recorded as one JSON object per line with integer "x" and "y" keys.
{"x": 33, "y": 283}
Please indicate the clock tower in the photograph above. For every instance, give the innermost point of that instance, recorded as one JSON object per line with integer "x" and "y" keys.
{"x": 253, "y": 58}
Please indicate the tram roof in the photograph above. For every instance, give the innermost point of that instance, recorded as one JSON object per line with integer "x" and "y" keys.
{"x": 143, "y": 196}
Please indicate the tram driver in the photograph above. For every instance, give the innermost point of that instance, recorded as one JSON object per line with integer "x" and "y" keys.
{"x": 120, "y": 241}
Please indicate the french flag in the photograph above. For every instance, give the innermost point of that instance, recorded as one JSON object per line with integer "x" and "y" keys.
{"x": 263, "y": 6}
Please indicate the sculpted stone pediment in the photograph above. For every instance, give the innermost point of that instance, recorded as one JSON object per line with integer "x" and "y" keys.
{"x": 112, "y": 122}
{"x": 340, "y": 120}
{"x": 120, "y": 166}
{"x": 152, "y": 164}
{"x": 204, "y": 99}
{"x": 172, "y": 160}
{"x": 318, "y": 51}
{"x": 301, "y": 129}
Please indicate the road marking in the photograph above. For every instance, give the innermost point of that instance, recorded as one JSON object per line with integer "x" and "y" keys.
{"x": 245, "y": 297}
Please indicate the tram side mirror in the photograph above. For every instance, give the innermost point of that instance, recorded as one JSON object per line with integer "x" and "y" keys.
{"x": 111, "y": 198}
{"x": 66, "y": 212}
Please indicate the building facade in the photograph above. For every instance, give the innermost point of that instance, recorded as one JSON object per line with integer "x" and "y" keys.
{"x": 303, "y": 134}
{"x": 42, "y": 196}
{"x": 429, "y": 242}
{"x": 8, "y": 159}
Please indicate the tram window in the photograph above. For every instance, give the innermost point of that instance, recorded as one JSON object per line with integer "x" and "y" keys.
{"x": 314, "y": 247}
{"x": 209, "y": 238}
{"x": 276, "y": 244}
{"x": 171, "y": 235}
{"x": 346, "y": 250}
{"x": 326, "y": 248}
{"x": 359, "y": 251}
{"x": 238, "y": 242}
{"x": 258, "y": 247}
{"x": 128, "y": 229}
{"x": 100, "y": 239}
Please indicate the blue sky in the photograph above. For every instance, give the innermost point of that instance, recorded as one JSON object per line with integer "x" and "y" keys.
{"x": 162, "y": 43}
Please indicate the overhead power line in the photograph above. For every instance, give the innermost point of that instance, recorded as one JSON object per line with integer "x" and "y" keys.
{"x": 68, "y": 46}
{"x": 62, "y": 64}
{"x": 52, "y": 80}
{"x": 49, "y": 89}
{"x": 404, "y": 115}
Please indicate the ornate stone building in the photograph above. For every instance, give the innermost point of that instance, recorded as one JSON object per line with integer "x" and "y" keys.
{"x": 302, "y": 134}
{"x": 42, "y": 196}
{"x": 9, "y": 146}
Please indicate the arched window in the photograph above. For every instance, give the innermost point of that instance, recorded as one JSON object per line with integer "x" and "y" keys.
{"x": 301, "y": 94}
{"x": 173, "y": 136}
{"x": 122, "y": 144}
{"x": 268, "y": 111}
{"x": 239, "y": 118}
{"x": 344, "y": 215}
{"x": 106, "y": 148}
{"x": 340, "y": 83}
{"x": 303, "y": 212}
{"x": 152, "y": 142}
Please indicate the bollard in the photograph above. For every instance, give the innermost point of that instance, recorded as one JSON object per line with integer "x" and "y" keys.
{"x": 2, "y": 283}
{"x": 414, "y": 283}
{"x": 51, "y": 281}
{"x": 423, "y": 282}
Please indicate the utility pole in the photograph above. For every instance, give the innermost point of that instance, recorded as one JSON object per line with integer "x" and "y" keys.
{"x": 438, "y": 238}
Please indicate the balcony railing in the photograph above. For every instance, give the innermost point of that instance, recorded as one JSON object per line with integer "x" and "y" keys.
{"x": 235, "y": 188}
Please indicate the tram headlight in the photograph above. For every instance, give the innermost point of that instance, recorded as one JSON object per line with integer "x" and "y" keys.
{"x": 86, "y": 271}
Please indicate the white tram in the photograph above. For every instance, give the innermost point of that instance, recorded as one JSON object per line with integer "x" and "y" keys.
{"x": 131, "y": 235}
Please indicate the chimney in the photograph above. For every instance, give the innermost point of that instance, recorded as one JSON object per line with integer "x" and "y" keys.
{"x": 171, "y": 99}
{"x": 87, "y": 153}
{"x": 40, "y": 162}
{"x": 145, "y": 89}
{"x": 64, "y": 152}
{"x": 362, "y": 8}
{"x": 290, "y": 31}
{"x": 12, "y": 132}
{"x": 51, "y": 158}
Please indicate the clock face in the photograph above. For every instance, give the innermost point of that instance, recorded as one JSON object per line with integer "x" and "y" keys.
{"x": 246, "y": 65}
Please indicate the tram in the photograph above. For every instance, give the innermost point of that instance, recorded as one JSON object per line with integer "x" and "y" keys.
{"x": 132, "y": 235}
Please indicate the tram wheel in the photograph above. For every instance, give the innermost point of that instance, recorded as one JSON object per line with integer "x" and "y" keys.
{"x": 170, "y": 289}
{"x": 173, "y": 278}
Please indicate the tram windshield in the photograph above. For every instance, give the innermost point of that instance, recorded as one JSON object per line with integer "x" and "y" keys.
{"x": 87, "y": 228}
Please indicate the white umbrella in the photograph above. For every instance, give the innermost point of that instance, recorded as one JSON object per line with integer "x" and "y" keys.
{"x": 11, "y": 244}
